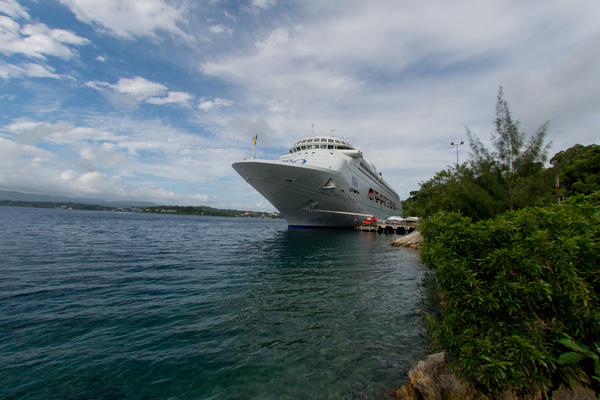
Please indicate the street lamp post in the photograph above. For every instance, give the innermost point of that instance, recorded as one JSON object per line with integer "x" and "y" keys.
{"x": 555, "y": 165}
{"x": 457, "y": 144}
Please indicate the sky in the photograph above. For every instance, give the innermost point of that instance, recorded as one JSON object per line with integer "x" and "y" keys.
{"x": 153, "y": 100}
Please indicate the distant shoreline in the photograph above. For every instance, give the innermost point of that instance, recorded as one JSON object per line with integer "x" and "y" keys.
{"x": 178, "y": 210}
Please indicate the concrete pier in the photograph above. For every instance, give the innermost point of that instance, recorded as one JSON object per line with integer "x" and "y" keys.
{"x": 402, "y": 228}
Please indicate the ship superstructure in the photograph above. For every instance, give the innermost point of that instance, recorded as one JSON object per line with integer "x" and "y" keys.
{"x": 322, "y": 182}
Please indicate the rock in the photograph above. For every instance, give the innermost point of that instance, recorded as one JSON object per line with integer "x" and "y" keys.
{"x": 579, "y": 392}
{"x": 413, "y": 239}
{"x": 433, "y": 380}
{"x": 407, "y": 392}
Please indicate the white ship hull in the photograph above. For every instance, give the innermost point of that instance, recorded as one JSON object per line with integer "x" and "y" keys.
{"x": 331, "y": 187}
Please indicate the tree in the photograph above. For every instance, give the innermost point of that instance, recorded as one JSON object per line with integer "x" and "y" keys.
{"x": 512, "y": 176}
{"x": 514, "y": 163}
{"x": 481, "y": 192}
{"x": 435, "y": 195}
{"x": 578, "y": 169}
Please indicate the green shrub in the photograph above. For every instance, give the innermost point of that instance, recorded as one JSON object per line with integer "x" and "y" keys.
{"x": 513, "y": 287}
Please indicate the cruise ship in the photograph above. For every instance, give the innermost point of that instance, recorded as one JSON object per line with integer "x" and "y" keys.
{"x": 323, "y": 182}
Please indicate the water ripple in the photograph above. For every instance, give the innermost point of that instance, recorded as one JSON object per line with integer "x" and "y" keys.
{"x": 135, "y": 306}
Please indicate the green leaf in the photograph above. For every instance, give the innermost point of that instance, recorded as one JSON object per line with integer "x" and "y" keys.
{"x": 570, "y": 358}
{"x": 573, "y": 346}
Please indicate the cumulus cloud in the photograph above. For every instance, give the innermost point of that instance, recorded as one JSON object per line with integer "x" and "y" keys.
{"x": 415, "y": 70}
{"x": 96, "y": 147}
{"x": 13, "y": 9}
{"x": 11, "y": 152}
{"x": 102, "y": 155}
{"x": 23, "y": 166}
{"x": 139, "y": 88}
{"x": 59, "y": 35}
{"x": 30, "y": 70}
{"x": 143, "y": 90}
{"x": 209, "y": 104}
{"x": 264, "y": 3}
{"x": 89, "y": 183}
{"x": 559, "y": 93}
{"x": 220, "y": 29}
{"x": 172, "y": 97}
{"x": 246, "y": 128}
{"x": 39, "y": 71}
{"x": 33, "y": 132}
{"x": 288, "y": 68}
{"x": 257, "y": 6}
{"x": 132, "y": 18}
{"x": 119, "y": 100}
{"x": 37, "y": 40}
{"x": 96, "y": 162}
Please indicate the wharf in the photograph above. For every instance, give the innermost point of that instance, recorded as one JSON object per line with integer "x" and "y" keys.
{"x": 401, "y": 228}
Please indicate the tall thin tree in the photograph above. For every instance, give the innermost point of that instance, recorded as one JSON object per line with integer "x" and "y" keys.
{"x": 513, "y": 158}
{"x": 508, "y": 141}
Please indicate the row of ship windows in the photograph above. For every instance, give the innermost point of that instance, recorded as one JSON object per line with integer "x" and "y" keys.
{"x": 322, "y": 140}
{"x": 366, "y": 170}
{"x": 318, "y": 146}
{"x": 374, "y": 196}
{"x": 381, "y": 199}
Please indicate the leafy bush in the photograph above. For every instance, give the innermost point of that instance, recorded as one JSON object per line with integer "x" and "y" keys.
{"x": 513, "y": 287}
{"x": 580, "y": 353}
{"x": 579, "y": 169}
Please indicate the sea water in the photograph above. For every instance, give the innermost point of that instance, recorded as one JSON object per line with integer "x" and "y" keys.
{"x": 106, "y": 305}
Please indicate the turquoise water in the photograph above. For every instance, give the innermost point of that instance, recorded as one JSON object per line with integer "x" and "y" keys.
{"x": 100, "y": 305}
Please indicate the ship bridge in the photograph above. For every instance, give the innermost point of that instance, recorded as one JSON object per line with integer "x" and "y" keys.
{"x": 321, "y": 142}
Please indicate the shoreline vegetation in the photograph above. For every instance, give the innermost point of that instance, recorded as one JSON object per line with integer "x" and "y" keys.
{"x": 515, "y": 249}
{"x": 521, "y": 305}
{"x": 178, "y": 210}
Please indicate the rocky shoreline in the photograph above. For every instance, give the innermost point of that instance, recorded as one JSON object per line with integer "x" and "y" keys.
{"x": 412, "y": 240}
{"x": 433, "y": 379}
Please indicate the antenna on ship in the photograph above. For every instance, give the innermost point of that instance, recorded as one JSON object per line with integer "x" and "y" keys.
{"x": 331, "y": 132}
{"x": 313, "y": 131}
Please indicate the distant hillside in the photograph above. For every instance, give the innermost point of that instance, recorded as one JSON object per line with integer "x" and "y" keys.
{"x": 17, "y": 199}
{"x": 18, "y": 196}
{"x": 204, "y": 210}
